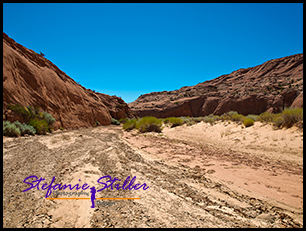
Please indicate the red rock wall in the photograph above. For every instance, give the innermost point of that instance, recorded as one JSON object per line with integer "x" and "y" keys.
{"x": 30, "y": 79}
{"x": 271, "y": 86}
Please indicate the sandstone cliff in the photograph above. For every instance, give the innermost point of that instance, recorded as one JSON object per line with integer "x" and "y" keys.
{"x": 271, "y": 86}
{"x": 30, "y": 79}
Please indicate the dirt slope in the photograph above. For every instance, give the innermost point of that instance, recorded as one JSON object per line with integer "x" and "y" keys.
{"x": 30, "y": 79}
{"x": 271, "y": 86}
{"x": 178, "y": 195}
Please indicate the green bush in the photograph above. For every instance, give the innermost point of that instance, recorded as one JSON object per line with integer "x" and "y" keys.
{"x": 31, "y": 110}
{"x": 149, "y": 124}
{"x": 25, "y": 128}
{"x": 291, "y": 116}
{"x": 41, "y": 126}
{"x": 278, "y": 120}
{"x": 198, "y": 119}
{"x": 253, "y": 117}
{"x": 114, "y": 121}
{"x": 174, "y": 121}
{"x": 210, "y": 119}
{"x": 123, "y": 120}
{"x": 28, "y": 129}
{"x": 248, "y": 122}
{"x": 266, "y": 117}
{"x": 233, "y": 116}
{"x": 238, "y": 117}
{"x": 129, "y": 124}
{"x": 231, "y": 113}
{"x": 287, "y": 118}
{"x": 5, "y": 123}
{"x": 10, "y": 129}
{"x": 217, "y": 117}
{"x": 188, "y": 120}
{"x": 228, "y": 115}
{"x": 33, "y": 117}
{"x": 48, "y": 118}
{"x": 97, "y": 123}
{"x": 24, "y": 111}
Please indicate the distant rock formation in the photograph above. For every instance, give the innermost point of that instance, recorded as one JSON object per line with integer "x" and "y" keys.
{"x": 271, "y": 86}
{"x": 29, "y": 79}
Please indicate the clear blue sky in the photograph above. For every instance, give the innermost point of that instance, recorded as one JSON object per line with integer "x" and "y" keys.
{"x": 132, "y": 49}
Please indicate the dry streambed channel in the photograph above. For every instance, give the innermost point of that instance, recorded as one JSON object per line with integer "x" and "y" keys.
{"x": 178, "y": 195}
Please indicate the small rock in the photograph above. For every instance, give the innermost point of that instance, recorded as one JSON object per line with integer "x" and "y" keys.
{"x": 267, "y": 217}
{"x": 210, "y": 171}
{"x": 46, "y": 222}
{"x": 252, "y": 214}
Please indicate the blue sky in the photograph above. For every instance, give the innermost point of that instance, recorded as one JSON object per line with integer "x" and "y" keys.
{"x": 132, "y": 49}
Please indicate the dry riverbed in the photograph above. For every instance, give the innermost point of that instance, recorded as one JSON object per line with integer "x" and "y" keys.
{"x": 192, "y": 182}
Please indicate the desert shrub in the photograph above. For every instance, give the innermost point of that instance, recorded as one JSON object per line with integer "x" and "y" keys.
{"x": 33, "y": 116}
{"x": 287, "y": 118}
{"x": 210, "y": 119}
{"x": 149, "y": 124}
{"x": 31, "y": 112}
{"x": 24, "y": 111}
{"x": 216, "y": 117}
{"x": 97, "y": 123}
{"x": 41, "y": 126}
{"x": 5, "y": 123}
{"x": 248, "y": 122}
{"x": 188, "y": 120}
{"x": 231, "y": 113}
{"x": 174, "y": 121}
{"x": 10, "y": 129}
{"x": 278, "y": 120}
{"x": 238, "y": 117}
{"x": 291, "y": 116}
{"x": 185, "y": 118}
{"x": 224, "y": 117}
{"x": 123, "y": 120}
{"x": 28, "y": 129}
{"x": 114, "y": 121}
{"x": 266, "y": 117}
{"x": 253, "y": 117}
{"x": 149, "y": 127}
{"x": 48, "y": 118}
{"x": 197, "y": 119}
{"x": 25, "y": 128}
{"x": 228, "y": 115}
{"x": 129, "y": 124}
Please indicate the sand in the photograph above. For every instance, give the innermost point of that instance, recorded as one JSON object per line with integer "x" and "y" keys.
{"x": 195, "y": 178}
{"x": 258, "y": 159}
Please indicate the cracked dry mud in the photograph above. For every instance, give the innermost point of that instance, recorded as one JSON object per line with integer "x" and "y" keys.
{"x": 178, "y": 195}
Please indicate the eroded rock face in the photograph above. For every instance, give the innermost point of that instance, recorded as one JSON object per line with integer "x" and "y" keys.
{"x": 298, "y": 102}
{"x": 30, "y": 79}
{"x": 118, "y": 109}
{"x": 271, "y": 86}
